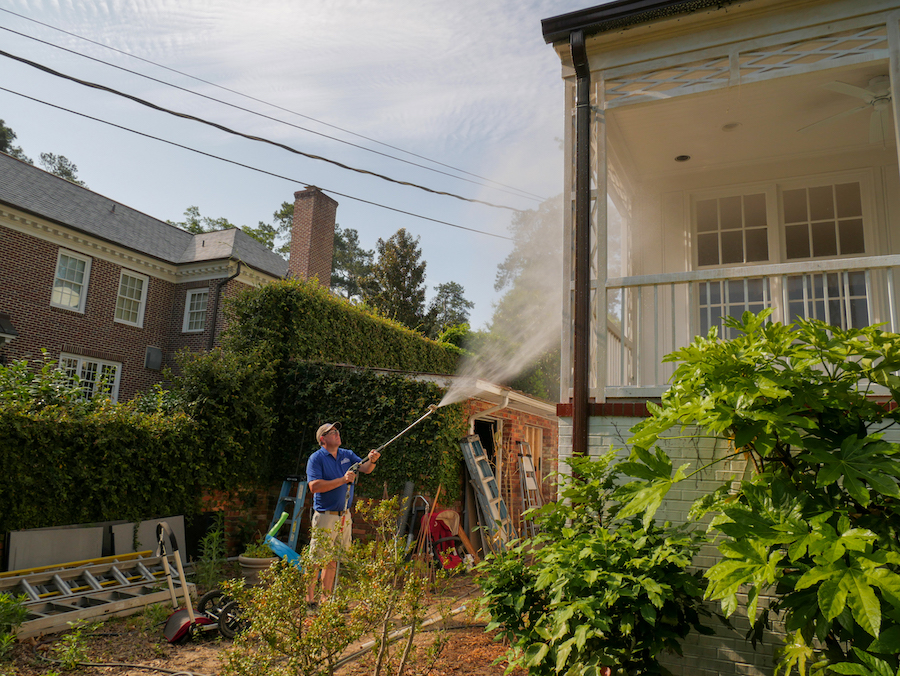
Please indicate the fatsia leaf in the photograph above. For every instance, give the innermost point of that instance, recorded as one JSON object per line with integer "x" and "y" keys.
{"x": 832, "y": 598}
{"x": 862, "y": 601}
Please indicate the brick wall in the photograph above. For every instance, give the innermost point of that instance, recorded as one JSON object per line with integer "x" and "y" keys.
{"x": 312, "y": 235}
{"x": 512, "y": 432}
{"x": 26, "y": 283}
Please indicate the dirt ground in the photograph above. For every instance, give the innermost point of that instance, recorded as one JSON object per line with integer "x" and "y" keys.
{"x": 138, "y": 640}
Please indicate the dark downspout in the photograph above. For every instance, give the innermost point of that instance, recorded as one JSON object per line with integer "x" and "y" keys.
{"x": 582, "y": 307}
{"x": 215, "y": 316}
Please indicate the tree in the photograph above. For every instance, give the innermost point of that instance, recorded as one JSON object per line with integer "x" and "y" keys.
{"x": 521, "y": 346}
{"x": 284, "y": 221}
{"x": 60, "y": 165}
{"x": 396, "y": 287}
{"x": 7, "y": 136}
{"x": 449, "y": 307}
{"x": 351, "y": 263}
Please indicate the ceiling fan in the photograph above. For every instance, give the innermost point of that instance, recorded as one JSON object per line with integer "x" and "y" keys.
{"x": 877, "y": 97}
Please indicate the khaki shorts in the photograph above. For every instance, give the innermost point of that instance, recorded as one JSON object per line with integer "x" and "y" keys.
{"x": 323, "y": 521}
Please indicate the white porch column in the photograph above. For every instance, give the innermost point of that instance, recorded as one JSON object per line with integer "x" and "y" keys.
{"x": 599, "y": 262}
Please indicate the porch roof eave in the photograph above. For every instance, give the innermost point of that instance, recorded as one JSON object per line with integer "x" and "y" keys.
{"x": 617, "y": 15}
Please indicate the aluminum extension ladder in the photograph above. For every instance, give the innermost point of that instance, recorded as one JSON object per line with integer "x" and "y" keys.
{"x": 107, "y": 587}
{"x": 494, "y": 515}
{"x": 531, "y": 491}
{"x": 290, "y": 500}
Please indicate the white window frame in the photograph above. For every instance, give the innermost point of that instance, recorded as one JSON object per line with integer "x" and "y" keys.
{"x": 84, "y": 284}
{"x": 143, "y": 302}
{"x": 867, "y": 199}
{"x": 185, "y": 325}
{"x": 774, "y": 191}
{"x": 79, "y": 369}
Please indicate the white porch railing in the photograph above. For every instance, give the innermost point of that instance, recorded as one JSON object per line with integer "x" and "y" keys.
{"x": 653, "y": 315}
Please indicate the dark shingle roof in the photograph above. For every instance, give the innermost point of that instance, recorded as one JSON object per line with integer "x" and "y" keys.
{"x": 620, "y": 14}
{"x": 44, "y": 195}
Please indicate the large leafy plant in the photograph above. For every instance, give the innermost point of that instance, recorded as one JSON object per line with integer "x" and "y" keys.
{"x": 815, "y": 519}
{"x": 592, "y": 591}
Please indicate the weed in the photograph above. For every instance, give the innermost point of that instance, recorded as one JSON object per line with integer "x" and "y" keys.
{"x": 12, "y": 614}
{"x": 156, "y": 614}
{"x": 71, "y": 650}
{"x": 210, "y": 568}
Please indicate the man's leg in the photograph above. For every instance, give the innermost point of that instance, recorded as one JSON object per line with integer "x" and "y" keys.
{"x": 324, "y": 530}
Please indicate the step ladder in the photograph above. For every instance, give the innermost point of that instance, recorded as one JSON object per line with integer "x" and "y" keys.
{"x": 495, "y": 517}
{"x": 531, "y": 491}
{"x": 111, "y": 586}
{"x": 290, "y": 500}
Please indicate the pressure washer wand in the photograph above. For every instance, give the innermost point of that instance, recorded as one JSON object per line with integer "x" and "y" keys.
{"x": 431, "y": 409}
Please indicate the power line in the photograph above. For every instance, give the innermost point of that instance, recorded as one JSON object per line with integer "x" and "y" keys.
{"x": 253, "y": 112}
{"x": 287, "y": 110}
{"x": 260, "y": 139}
{"x": 257, "y": 169}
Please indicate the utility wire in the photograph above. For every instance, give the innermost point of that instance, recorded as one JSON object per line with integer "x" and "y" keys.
{"x": 287, "y": 110}
{"x": 257, "y": 169}
{"x": 148, "y": 104}
{"x": 253, "y": 112}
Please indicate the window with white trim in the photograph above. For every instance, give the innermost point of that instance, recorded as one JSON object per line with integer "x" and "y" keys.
{"x": 732, "y": 230}
{"x": 195, "y": 310}
{"x": 131, "y": 298}
{"x": 813, "y": 220}
{"x": 70, "y": 282}
{"x": 94, "y": 375}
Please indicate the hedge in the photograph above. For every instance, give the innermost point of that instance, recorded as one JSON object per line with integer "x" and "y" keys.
{"x": 111, "y": 463}
{"x": 294, "y": 319}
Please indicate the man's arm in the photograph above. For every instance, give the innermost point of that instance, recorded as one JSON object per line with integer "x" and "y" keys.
{"x": 368, "y": 465}
{"x": 325, "y": 485}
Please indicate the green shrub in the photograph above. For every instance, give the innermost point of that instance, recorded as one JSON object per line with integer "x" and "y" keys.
{"x": 816, "y": 521}
{"x": 592, "y": 591}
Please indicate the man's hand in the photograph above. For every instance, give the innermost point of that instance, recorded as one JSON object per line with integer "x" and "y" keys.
{"x": 350, "y": 476}
{"x": 373, "y": 456}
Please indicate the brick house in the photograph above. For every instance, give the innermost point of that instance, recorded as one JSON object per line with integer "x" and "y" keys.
{"x": 112, "y": 292}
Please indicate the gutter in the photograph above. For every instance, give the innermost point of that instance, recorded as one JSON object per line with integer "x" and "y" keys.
{"x": 499, "y": 407}
{"x": 212, "y": 330}
{"x": 582, "y": 304}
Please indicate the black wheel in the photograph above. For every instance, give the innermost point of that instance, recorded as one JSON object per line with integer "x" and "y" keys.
{"x": 212, "y": 602}
{"x": 231, "y": 622}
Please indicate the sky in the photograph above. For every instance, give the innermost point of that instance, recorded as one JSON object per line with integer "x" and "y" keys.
{"x": 469, "y": 84}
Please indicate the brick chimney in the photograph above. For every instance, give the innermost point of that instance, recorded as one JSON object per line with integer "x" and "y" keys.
{"x": 312, "y": 235}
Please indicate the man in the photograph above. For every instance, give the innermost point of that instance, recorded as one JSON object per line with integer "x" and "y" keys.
{"x": 330, "y": 478}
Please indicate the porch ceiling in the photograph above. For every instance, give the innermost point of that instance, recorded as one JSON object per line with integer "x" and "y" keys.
{"x": 769, "y": 114}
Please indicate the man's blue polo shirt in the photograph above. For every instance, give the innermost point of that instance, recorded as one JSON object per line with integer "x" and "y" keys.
{"x": 321, "y": 465}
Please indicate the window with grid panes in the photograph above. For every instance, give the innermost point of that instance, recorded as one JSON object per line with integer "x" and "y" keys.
{"x": 824, "y": 221}
{"x": 70, "y": 282}
{"x": 130, "y": 298}
{"x": 195, "y": 310}
{"x": 94, "y": 375}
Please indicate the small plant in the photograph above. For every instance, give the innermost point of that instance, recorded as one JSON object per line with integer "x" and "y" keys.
{"x": 12, "y": 614}
{"x": 209, "y": 568}
{"x": 71, "y": 651}
{"x": 258, "y": 549}
{"x": 156, "y": 613}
